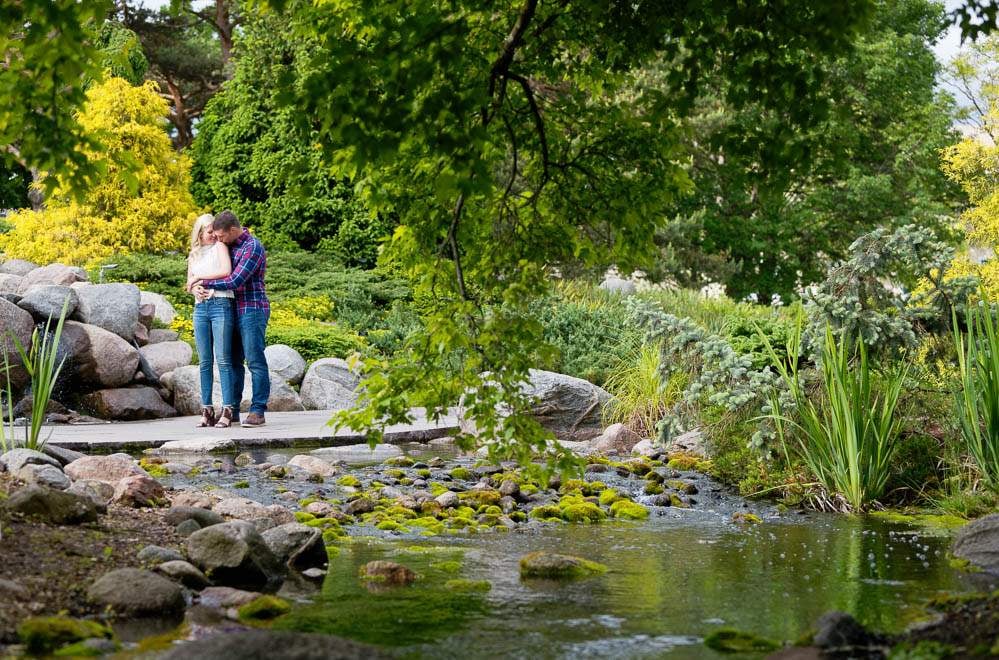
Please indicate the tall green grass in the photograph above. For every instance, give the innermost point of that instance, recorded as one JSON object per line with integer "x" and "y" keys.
{"x": 977, "y": 401}
{"x": 640, "y": 399}
{"x": 847, "y": 431}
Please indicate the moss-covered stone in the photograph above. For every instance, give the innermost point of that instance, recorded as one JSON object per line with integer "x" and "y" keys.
{"x": 582, "y": 512}
{"x": 746, "y": 518}
{"x": 399, "y": 461}
{"x": 303, "y": 516}
{"x": 153, "y": 468}
{"x": 683, "y": 462}
{"x": 349, "y": 481}
{"x": 728, "y": 640}
{"x": 468, "y": 586}
{"x": 42, "y": 635}
{"x": 558, "y": 567}
{"x": 80, "y": 650}
{"x": 428, "y": 523}
{"x": 241, "y": 484}
{"x": 264, "y": 608}
{"x": 682, "y": 486}
{"x": 477, "y": 498}
{"x": 653, "y": 488}
{"x": 389, "y": 526}
{"x": 322, "y": 523}
{"x": 462, "y": 474}
{"x": 529, "y": 489}
{"x": 628, "y": 510}
{"x": 610, "y": 495}
{"x": 437, "y": 489}
{"x": 397, "y": 511}
{"x": 547, "y": 512}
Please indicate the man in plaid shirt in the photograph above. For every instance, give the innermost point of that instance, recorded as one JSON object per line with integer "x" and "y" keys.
{"x": 249, "y": 263}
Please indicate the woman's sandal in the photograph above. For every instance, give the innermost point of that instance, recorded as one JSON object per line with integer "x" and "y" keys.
{"x": 225, "y": 419}
{"x": 207, "y": 417}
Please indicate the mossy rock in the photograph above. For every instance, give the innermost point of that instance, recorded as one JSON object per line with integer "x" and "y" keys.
{"x": 423, "y": 473}
{"x": 682, "y": 486}
{"x": 746, "y": 518}
{"x": 450, "y": 566}
{"x": 395, "y": 473}
{"x": 677, "y": 501}
{"x": 942, "y": 524}
{"x": 241, "y": 484}
{"x": 486, "y": 497}
{"x": 628, "y": 510}
{"x": 610, "y": 495}
{"x": 468, "y": 586}
{"x": 153, "y": 468}
{"x": 683, "y": 462}
{"x": 462, "y": 474}
{"x": 264, "y": 608}
{"x": 428, "y": 523}
{"x": 333, "y": 535}
{"x": 399, "y": 461}
{"x": 388, "y": 526}
{"x": 400, "y": 512}
{"x": 545, "y": 512}
{"x": 728, "y": 640}
{"x": 552, "y": 566}
{"x": 304, "y": 516}
{"x": 322, "y": 523}
{"x": 80, "y": 650}
{"x": 582, "y": 512}
{"x": 45, "y": 634}
{"x": 349, "y": 481}
{"x": 653, "y": 488}
{"x": 437, "y": 489}
{"x": 528, "y": 489}
{"x": 306, "y": 501}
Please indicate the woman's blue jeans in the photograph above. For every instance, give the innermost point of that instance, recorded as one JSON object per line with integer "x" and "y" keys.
{"x": 214, "y": 327}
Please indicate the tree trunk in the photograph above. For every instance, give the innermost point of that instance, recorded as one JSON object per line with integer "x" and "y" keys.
{"x": 179, "y": 117}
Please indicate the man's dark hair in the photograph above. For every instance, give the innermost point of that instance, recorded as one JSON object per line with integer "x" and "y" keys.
{"x": 225, "y": 220}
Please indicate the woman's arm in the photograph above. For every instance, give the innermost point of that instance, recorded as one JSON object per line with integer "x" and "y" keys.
{"x": 221, "y": 253}
{"x": 190, "y": 277}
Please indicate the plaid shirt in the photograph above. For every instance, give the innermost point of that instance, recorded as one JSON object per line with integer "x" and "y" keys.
{"x": 249, "y": 263}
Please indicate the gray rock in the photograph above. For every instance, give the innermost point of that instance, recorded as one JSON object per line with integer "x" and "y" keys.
{"x": 114, "y": 307}
{"x": 159, "y": 336}
{"x": 362, "y": 454}
{"x": 10, "y": 285}
{"x": 164, "y": 311}
{"x": 100, "y": 492}
{"x": 128, "y": 404}
{"x": 110, "y": 469}
{"x": 44, "y": 475}
{"x": 269, "y": 645}
{"x": 166, "y": 356}
{"x": 569, "y": 407}
{"x": 204, "y": 517}
{"x": 187, "y": 392}
{"x": 14, "y": 322}
{"x": 184, "y": 572}
{"x": 645, "y": 448}
{"x": 298, "y": 546}
{"x": 155, "y": 554}
{"x": 61, "y": 454}
{"x": 52, "y": 274}
{"x": 618, "y": 285}
{"x": 100, "y": 357}
{"x": 46, "y": 301}
{"x": 390, "y": 493}
{"x": 838, "y": 630}
{"x": 286, "y": 362}
{"x": 359, "y": 506}
{"x": 53, "y": 506}
{"x": 978, "y": 542}
{"x": 187, "y": 527}
{"x": 329, "y": 384}
{"x": 615, "y": 438}
{"x": 235, "y": 554}
{"x": 448, "y": 500}
{"x": 313, "y": 465}
{"x": 18, "y": 267}
{"x": 133, "y": 592}
{"x": 16, "y": 459}
{"x": 199, "y": 445}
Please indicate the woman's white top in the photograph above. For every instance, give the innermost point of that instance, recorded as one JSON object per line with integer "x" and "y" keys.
{"x": 204, "y": 262}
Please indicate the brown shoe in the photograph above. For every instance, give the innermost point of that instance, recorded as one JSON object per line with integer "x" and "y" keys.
{"x": 254, "y": 419}
{"x": 207, "y": 417}
{"x": 225, "y": 418}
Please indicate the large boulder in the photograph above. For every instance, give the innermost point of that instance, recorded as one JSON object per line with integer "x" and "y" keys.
{"x": 286, "y": 362}
{"x": 100, "y": 357}
{"x": 128, "y": 403}
{"x": 313, "y": 465}
{"x": 46, "y": 301}
{"x": 164, "y": 311}
{"x": 133, "y": 592}
{"x": 52, "y": 506}
{"x": 268, "y": 644}
{"x": 51, "y": 274}
{"x": 296, "y": 545}
{"x": 114, "y": 307}
{"x": 44, "y": 475}
{"x": 568, "y": 407}
{"x": 164, "y": 357}
{"x": 187, "y": 392}
{"x": 15, "y": 459}
{"x": 10, "y": 284}
{"x": 159, "y": 336}
{"x": 329, "y": 384}
{"x": 234, "y": 554}
{"x": 978, "y": 543}
{"x": 109, "y": 469}
{"x": 18, "y": 267}
{"x": 17, "y": 322}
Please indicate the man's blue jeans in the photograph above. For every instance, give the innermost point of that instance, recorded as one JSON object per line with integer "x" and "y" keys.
{"x": 249, "y": 344}
{"x": 214, "y": 328}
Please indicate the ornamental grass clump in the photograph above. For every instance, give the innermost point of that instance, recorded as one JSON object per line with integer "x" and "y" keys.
{"x": 847, "y": 432}
{"x": 641, "y": 399}
{"x": 977, "y": 401}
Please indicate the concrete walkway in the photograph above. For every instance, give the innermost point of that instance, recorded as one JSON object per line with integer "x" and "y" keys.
{"x": 283, "y": 429}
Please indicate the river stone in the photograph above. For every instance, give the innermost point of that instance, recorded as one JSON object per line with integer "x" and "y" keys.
{"x": 199, "y": 445}
{"x": 164, "y": 311}
{"x": 226, "y": 597}
{"x": 551, "y": 565}
{"x": 184, "y": 572}
{"x": 61, "y": 454}
{"x": 615, "y": 438}
{"x": 569, "y": 407}
{"x": 43, "y": 475}
{"x": 45, "y": 302}
{"x": 16, "y": 459}
{"x": 361, "y": 454}
{"x": 645, "y": 448}
{"x": 128, "y": 404}
{"x": 187, "y": 392}
{"x": 204, "y": 517}
{"x": 298, "y": 546}
{"x": 133, "y": 592}
{"x": 359, "y": 506}
{"x": 192, "y": 498}
{"x": 838, "y": 631}
{"x": 155, "y": 554}
{"x": 53, "y": 506}
{"x": 138, "y": 492}
{"x": 18, "y": 267}
{"x": 100, "y": 357}
{"x": 235, "y": 554}
{"x": 978, "y": 542}
{"x": 619, "y": 285}
{"x": 114, "y": 307}
{"x": 286, "y": 362}
{"x": 448, "y": 499}
{"x": 14, "y": 322}
{"x": 100, "y": 492}
{"x": 330, "y": 384}
{"x": 159, "y": 336}
{"x": 388, "y": 573}
{"x": 110, "y": 469}
{"x": 10, "y": 285}
{"x": 188, "y": 527}
{"x": 57, "y": 274}
{"x": 313, "y": 465}
{"x": 268, "y": 645}
{"x": 166, "y": 356}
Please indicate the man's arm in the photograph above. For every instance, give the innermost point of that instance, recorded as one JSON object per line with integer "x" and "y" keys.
{"x": 242, "y": 272}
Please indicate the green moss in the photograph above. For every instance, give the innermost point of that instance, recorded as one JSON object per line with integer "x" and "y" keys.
{"x": 547, "y": 512}
{"x": 428, "y": 523}
{"x": 302, "y": 516}
{"x": 399, "y": 461}
{"x": 450, "y": 566}
{"x": 682, "y": 486}
{"x": 241, "y": 484}
{"x": 484, "y": 497}
{"x": 461, "y": 474}
{"x": 306, "y": 501}
{"x": 653, "y": 488}
{"x": 332, "y": 535}
{"x": 746, "y": 518}
{"x": 42, "y": 635}
{"x": 400, "y": 512}
{"x": 263, "y": 608}
{"x": 942, "y": 525}
{"x": 528, "y": 489}
{"x": 677, "y": 501}
{"x": 517, "y": 516}
{"x": 923, "y": 650}
{"x": 493, "y": 510}
{"x": 462, "y": 512}
{"x": 389, "y": 526}
{"x": 727, "y": 640}
{"x": 153, "y": 469}
{"x": 78, "y": 650}
{"x": 423, "y": 473}
{"x": 558, "y": 567}
{"x": 437, "y": 489}
{"x": 193, "y": 472}
{"x": 461, "y": 585}
{"x": 683, "y": 462}
{"x": 963, "y": 565}
{"x": 395, "y": 473}
{"x": 349, "y": 481}
{"x": 610, "y": 495}
{"x": 322, "y": 523}
{"x": 628, "y": 510}
{"x": 582, "y": 512}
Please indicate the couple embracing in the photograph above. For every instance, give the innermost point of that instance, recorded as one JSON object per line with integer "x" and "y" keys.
{"x": 225, "y": 272}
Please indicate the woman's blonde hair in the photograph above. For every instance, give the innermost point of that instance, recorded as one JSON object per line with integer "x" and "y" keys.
{"x": 203, "y": 221}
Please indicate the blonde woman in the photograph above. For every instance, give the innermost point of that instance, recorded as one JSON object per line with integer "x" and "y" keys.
{"x": 214, "y": 321}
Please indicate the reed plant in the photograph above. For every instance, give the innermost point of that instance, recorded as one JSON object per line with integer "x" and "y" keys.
{"x": 846, "y": 429}
{"x": 977, "y": 400}
{"x": 641, "y": 399}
